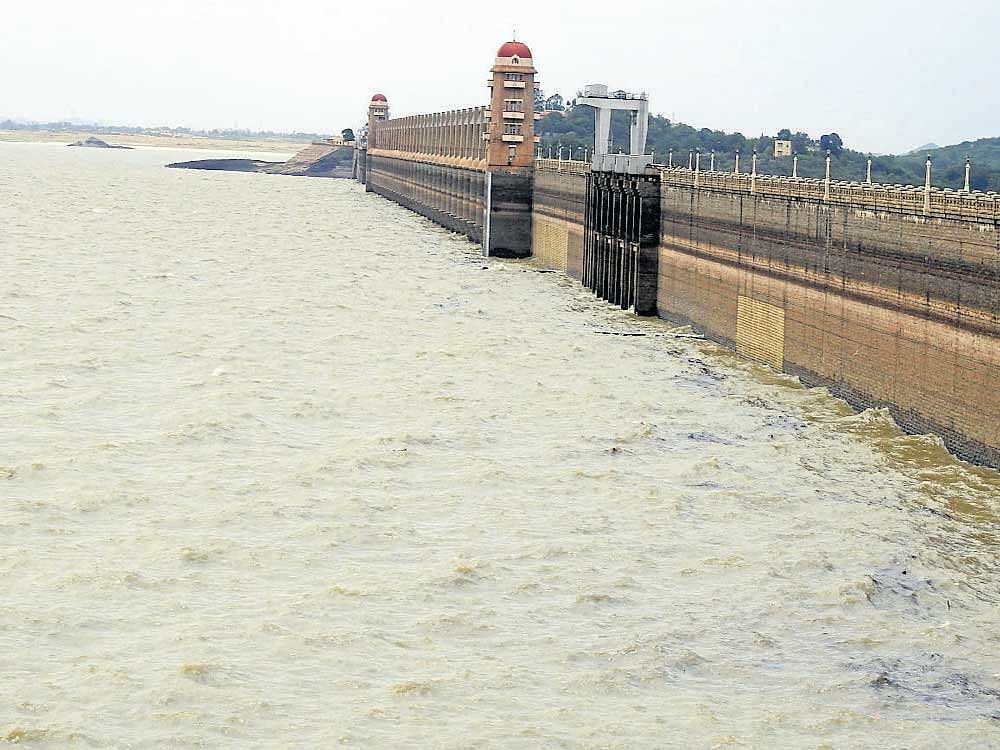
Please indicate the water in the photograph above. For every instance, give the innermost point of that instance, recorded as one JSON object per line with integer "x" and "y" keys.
{"x": 284, "y": 465}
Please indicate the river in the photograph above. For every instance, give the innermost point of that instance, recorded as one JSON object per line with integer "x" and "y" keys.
{"x": 283, "y": 464}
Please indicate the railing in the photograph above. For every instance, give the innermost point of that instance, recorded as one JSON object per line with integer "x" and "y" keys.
{"x": 438, "y": 137}
{"x": 570, "y": 166}
{"x": 937, "y": 202}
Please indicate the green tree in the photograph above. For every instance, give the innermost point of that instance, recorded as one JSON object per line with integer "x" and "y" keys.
{"x": 831, "y": 143}
{"x": 801, "y": 142}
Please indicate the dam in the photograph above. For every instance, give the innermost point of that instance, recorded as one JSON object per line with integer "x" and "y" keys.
{"x": 288, "y": 464}
{"x": 887, "y": 295}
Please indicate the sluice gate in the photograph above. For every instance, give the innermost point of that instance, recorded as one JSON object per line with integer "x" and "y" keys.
{"x": 621, "y": 236}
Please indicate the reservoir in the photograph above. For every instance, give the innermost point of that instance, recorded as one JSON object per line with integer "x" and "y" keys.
{"x": 283, "y": 464}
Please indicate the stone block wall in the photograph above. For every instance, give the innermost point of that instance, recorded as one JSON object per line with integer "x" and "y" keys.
{"x": 449, "y": 196}
{"x": 558, "y": 217}
{"x": 886, "y": 308}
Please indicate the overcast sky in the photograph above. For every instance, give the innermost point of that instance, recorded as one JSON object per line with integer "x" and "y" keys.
{"x": 887, "y": 75}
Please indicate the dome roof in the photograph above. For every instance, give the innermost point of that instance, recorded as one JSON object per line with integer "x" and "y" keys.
{"x": 514, "y": 49}
{"x": 379, "y": 98}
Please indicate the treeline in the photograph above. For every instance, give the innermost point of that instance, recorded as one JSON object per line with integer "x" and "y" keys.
{"x": 220, "y": 133}
{"x": 574, "y": 129}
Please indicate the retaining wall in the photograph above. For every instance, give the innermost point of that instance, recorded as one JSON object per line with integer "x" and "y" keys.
{"x": 886, "y": 308}
{"x": 447, "y": 195}
{"x": 558, "y": 218}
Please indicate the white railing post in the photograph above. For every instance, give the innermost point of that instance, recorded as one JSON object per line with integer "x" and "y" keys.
{"x": 927, "y": 186}
{"x": 826, "y": 181}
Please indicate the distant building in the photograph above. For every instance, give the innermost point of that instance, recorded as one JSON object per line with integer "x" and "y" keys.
{"x": 782, "y": 148}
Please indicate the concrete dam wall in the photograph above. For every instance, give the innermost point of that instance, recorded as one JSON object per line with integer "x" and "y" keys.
{"x": 885, "y": 304}
{"x": 887, "y": 295}
{"x": 557, "y": 217}
{"x": 450, "y": 196}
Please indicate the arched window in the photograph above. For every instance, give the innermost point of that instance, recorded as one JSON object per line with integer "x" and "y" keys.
{"x": 515, "y": 61}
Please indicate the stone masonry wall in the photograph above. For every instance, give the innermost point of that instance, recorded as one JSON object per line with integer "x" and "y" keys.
{"x": 558, "y": 218}
{"x": 886, "y": 308}
{"x": 449, "y": 196}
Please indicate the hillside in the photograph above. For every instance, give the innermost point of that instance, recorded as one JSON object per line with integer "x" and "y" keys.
{"x": 575, "y": 129}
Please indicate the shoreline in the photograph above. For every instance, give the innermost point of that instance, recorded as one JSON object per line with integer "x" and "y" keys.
{"x": 186, "y": 143}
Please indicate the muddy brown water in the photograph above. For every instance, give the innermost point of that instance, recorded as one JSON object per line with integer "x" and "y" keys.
{"x": 284, "y": 465}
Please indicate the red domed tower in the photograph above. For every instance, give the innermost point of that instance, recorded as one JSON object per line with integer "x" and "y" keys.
{"x": 512, "y": 108}
{"x": 378, "y": 110}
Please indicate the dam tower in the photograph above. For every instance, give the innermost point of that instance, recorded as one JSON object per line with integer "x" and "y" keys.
{"x": 510, "y": 152}
{"x": 512, "y": 108}
{"x": 378, "y": 110}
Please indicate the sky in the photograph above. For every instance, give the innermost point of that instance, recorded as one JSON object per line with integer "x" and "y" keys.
{"x": 887, "y": 75}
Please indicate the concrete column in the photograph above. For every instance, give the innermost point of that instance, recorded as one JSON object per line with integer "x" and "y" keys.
{"x": 795, "y": 166}
{"x": 826, "y": 180}
{"x": 648, "y": 259}
{"x": 453, "y": 203}
{"x": 510, "y": 213}
{"x": 463, "y": 196}
{"x": 868, "y": 172}
{"x": 968, "y": 174}
{"x": 438, "y": 184}
{"x": 927, "y": 186}
{"x": 603, "y": 131}
{"x": 753, "y": 173}
{"x": 736, "y": 169}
